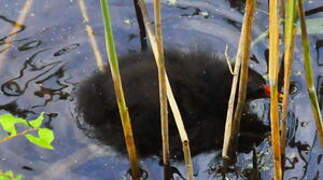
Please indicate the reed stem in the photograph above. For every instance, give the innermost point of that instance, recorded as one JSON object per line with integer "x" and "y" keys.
{"x": 123, "y": 110}
{"x": 290, "y": 32}
{"x": 242, "y": 59}
{"x": 170, "y": 95}
{"x": 162, "y": 82}
{"x": 273, "y": 81}
{"x": 309, "y": 74}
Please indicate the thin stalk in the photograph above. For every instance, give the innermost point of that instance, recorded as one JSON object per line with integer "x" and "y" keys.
{"x": 90, "y": 34}
{"x": 170, "y": 96}
{"x": 181, "y": 130}
{"x": 273, "y": 80}
{"x": 290, "y": 32}
{"x": 23, "y": 133}
{"x": 162, "y": 82}
{"x": 123, "y": 110}
{"x": 233, "y": 123}
{"x": 309, "y": 75}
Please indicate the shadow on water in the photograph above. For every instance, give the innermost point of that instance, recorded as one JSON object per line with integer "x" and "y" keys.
{"x": 48, "y": 56}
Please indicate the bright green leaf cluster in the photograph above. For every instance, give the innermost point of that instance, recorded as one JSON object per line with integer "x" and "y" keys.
{"x": 45, "y": 136}
{"x": 8, "y": 122}
{"x": 8, "y": 175}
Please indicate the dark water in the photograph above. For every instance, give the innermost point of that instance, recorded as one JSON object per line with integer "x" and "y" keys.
{"x": 51, "y": 54}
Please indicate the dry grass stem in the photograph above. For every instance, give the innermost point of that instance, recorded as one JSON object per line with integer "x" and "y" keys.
{"x": 170, "y": 96}
{"x": 233, "y": 122}
{"x": 160, "y": 59}
{"x": 273, "y": 80}
{"x": 181, "y": 130}
{"x": 227, "y": 58}
{"x": 90, "y": 34}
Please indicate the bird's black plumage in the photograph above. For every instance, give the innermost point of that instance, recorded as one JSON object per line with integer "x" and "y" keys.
{"x": 201, "y": 83}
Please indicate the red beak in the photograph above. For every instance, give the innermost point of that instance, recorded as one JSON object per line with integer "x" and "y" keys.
{"x": 267, "y": 91}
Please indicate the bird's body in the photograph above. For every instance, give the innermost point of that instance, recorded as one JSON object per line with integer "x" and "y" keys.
{"x": 201, "y": 84}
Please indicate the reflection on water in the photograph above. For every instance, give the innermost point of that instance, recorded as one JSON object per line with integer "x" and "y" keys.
{"x": 44, "y": 59}
{"x": 13, "y": 24}
{"x": 13, "y": 88}
{"x": 29, "y": 45}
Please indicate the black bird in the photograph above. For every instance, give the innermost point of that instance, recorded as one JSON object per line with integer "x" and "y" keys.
{"x": 201, "y": 83}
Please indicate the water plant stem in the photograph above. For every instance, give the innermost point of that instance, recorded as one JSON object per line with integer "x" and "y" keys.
{"x": 242, "y": 59}
{"x": 309, "y": 74}
{"x": 162, "y": 82}
{"x": 90, "y": 34}
{"x": 170, "y": 96}
{"x": 273, "y": 81}
{"x": 289, "y": 41}
{"x": 123, "y": 110}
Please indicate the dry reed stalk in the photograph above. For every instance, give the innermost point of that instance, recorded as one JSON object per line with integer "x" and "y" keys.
{"x": 290, "y": 32}
{"x": 309, "y": 74}
{"x": 90, "y": 34}
{"x": 170, "y": 96}
{"x": 273, "y": 81}
{"x": 233, "y": 122}
{"x": 162, "y": 82}
{"x": 20, "y": 20}
{"x": 181, "y": 130}
{"x": 117, "y": 83}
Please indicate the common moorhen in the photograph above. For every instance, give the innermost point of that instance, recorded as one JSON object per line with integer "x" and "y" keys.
{"x": 201, "y": 83}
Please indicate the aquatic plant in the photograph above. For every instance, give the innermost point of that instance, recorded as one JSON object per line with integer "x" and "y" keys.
{"x": 309, "y": 74}
{"x": 9, "y": 175}
{"x": 9, "y": 123}
{"x": 45, "y": 136}
{"x": 240, "y": 74}
{"x": 273, "y": 70}
{"x": 156, "y": 44}
{"x": 123, "y": 110}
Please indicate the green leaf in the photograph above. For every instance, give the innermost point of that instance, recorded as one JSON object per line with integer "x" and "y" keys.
{"x": 8, "y": 122}
{"x": 37, "y": 122}
{"x": 46, "y": 137}
{"x": 8, "y": 175}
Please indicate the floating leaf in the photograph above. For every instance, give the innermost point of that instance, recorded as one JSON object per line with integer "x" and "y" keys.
{"x": 44, "y": 139}
{"x": 8, "y": 175}
{"x": 37, "y": 122}
{"x": 8, "y": 122}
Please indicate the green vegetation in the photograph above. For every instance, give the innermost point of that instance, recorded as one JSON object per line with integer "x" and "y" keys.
{"x": 9, "y": 175}
{"x": 9, "y": 124}
{"x": 117, "y": 82}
